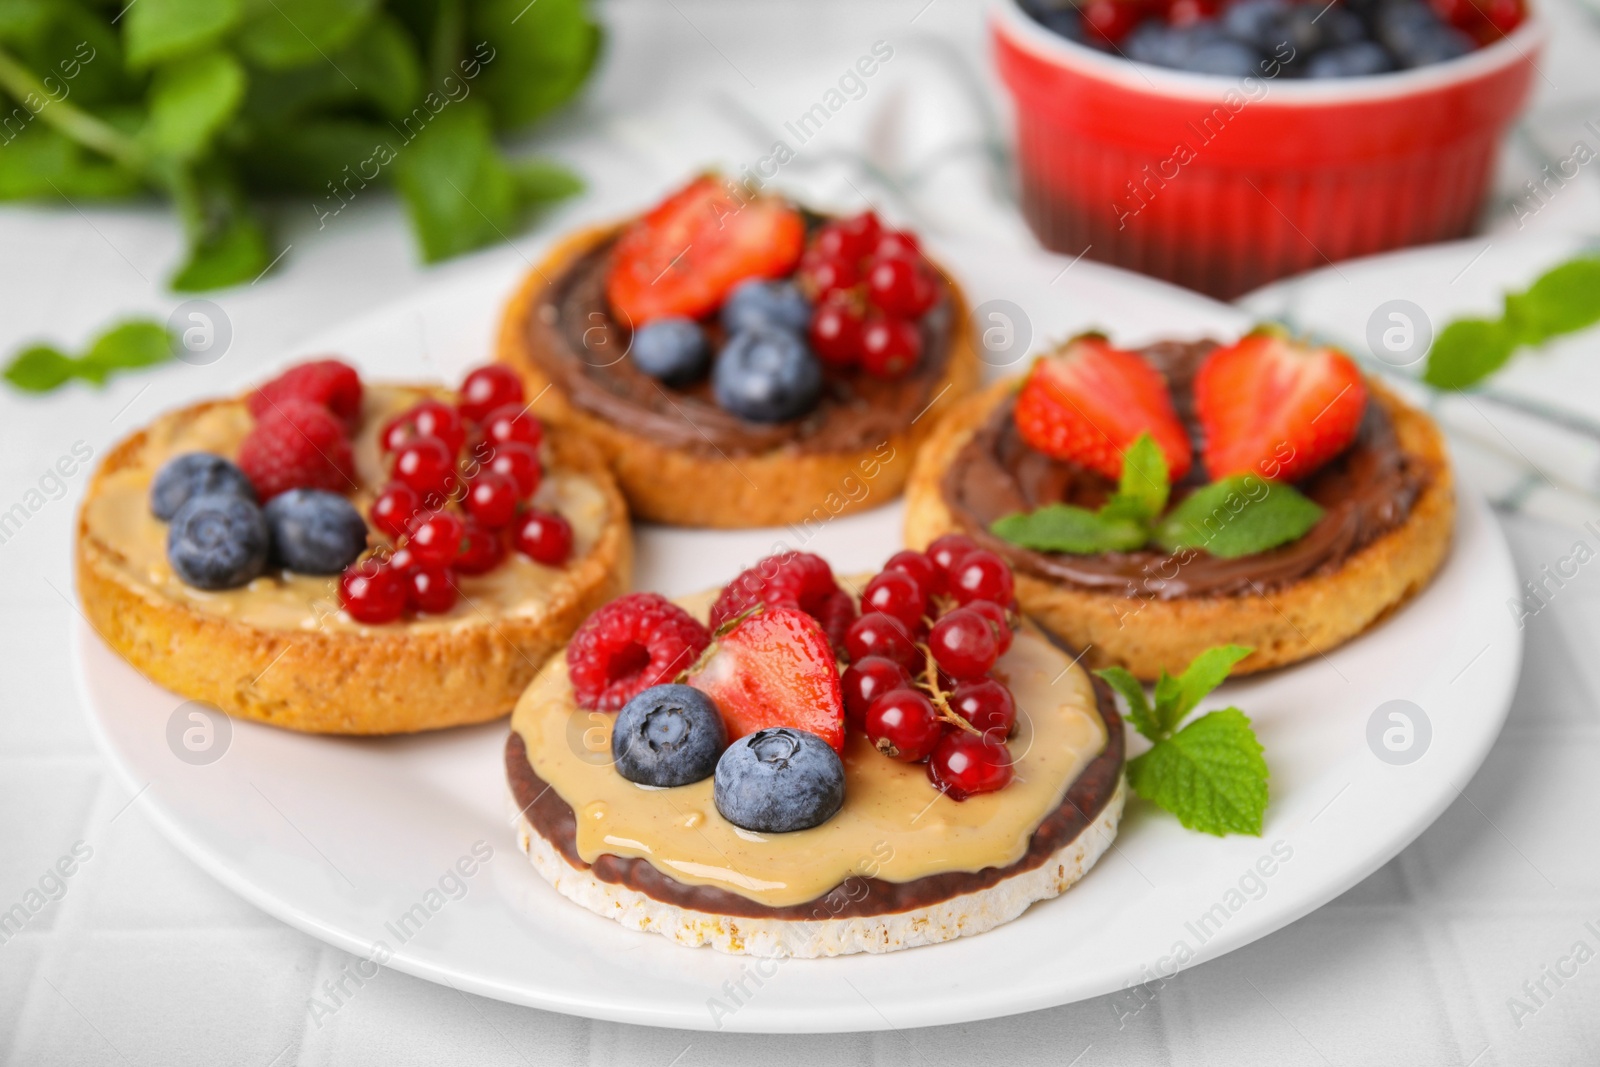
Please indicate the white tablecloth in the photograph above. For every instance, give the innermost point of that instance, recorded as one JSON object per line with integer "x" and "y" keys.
{"x": 1453, "y": 953}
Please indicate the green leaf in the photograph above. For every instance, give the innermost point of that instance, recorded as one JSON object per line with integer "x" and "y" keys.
{"x": 42, "y": 163}
{"x": 190, "y": 100}
{"x": 1468, "y": 351}
{"x": 1065, "y": 528}
{"x": 157, "y": 30}
{"x": 1563, "y": 300}
{"x": 291, "y": 33}
{"x": 309, "y": 155}
{"x": 530, "y": 58}
{"x": 40, "y": 369}
{"x": 25, "y": 22}
{"x": 1139, "y": 712}
{"x": 1177, "y": 697}
{"x": 543, "y": 181}
{"x": 458, "y": 190}
{"x": 1238, "y": 516}
{"x": 1210, "y": 774}
{"x": 226, "y": 243}
{"x": 1142, "y": 491}
{"x": 136, "y": 343}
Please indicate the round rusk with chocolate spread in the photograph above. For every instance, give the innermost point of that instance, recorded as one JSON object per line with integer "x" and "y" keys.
{"x": 1389, "y": 511}
{"x": 282, "y": 651}
{"x": 900, "y": 864}
{"x": 680, "y": 458}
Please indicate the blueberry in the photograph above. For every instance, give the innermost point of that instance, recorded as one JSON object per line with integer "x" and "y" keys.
{"x": 182, "y": 477}
{"x": 1063, "y": 20}
{"x": 766, "y": 376}
{"x": 777, "y": 780}
{"x": 1232, "y": 59}
{"x": 755, "y": 304}
{"x": 673, "y": 350}
{"x": 668, "y": 735}
{"x": 218, "y": 541}
{"x": 1310, "y": 28}
{"x": 315, "y": 531}
{"x": 1351, "y": 61}
{"x": 1417, "y": 36}
{"x": 1256, "y": 22}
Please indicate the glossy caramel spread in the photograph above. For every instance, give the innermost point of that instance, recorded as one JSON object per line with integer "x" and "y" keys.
{"x": 117, "y": 515}
{"x": 1367, "y": 490}
{"x": 894, "y": 828}
{"x": 581, "y": 347}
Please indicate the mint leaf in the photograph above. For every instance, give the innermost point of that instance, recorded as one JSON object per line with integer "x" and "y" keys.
{"x": 1176, "y": 698}
{"x": 42, "y": 163}
{"x": 1238, "y": 516}
{"x": 190, "y": 100}
{"x": 541, "y": 181}
{"x": 137, "y": 343}
{"x": 1468, "y": 351}
{"x": 226, "y": 244}
{"x": 1142, "y": 491}
{"x": 39, "y": 369}
{"x": 1210, "y": 774}
{"x": 1563, "y": 300}
{"x": 1065, "y": 528}
{"x": 457, "y": 188}
{"x": 1139, "y": 712}
{"x": 533, "y": 57}
{"x": 157, "y": 30}
{"x": 292, "y": 33}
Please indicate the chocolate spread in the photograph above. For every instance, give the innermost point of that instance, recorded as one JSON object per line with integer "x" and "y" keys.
{"x": 581, "y": 347}
{"x": 1367, "y": 490}
{"x": 554, "y": 820}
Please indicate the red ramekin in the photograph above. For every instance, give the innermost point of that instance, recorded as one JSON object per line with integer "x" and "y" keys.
{"x": 1223, "y": 184}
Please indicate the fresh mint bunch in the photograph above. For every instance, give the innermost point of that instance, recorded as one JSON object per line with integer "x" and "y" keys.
{"x": 131, "y": 344}
{"x": 1563, "y": 300}
{"x": 220, "y": 103}
{"x": 1210, "y": 773}
{"x": 1236, "y": 516}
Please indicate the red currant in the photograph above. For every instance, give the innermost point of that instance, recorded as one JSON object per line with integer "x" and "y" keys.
{"x": 545, "y": 537}
{"x": 964, "y": 644}
{"x": 521, "y": 463}
{"x": 877, "y": 634}
{"x": 431, "y": 590}
{"x": 944, "y": 553}
{"x": 890, "y": 347}
{"x": 1110, "y": 20}
{"x": 436, "y": 538}
{"x": 981, "y": 575}
{"x": 1188, "y": 12}
{"x": 899, "y": 286}
{"x": 427, "y": 466}
{"x": 999, "y": 621}
{"x": 487, "y": 388}
{"x": 435, "y": 418}
{"x": 849, "y": 238}
{"x": 898, "y": 594}
{"x": 987, "y": 705}
{"x": 827, "y": 274}
{"x": 836, "y": 334}
{"x": 403, "y": 561}
{"x": 915, "y": 564}
{"x": 511, "y": 423}
{"x": 393, "y": 509}
{"x": 903, "y": 725}
{"x": 868, "y": 679}
{"x": 482, "y": 549}
{"x": 395, "y": 433}
{"x": 898, "y": 243}
{"x": 964, "y": 764}
{"x": 372, "y": 592}
{"x": 492, "y": 499}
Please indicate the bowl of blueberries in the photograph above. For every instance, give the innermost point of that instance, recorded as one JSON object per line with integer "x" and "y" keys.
{"x": 1223, "y": 144}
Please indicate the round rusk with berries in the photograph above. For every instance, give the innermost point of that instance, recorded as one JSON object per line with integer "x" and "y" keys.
{"x": 803, "y": 765}
{"x": 1154, "y": 503}
{"x": 336, "y": 556}
{"x": 741, "y": 361}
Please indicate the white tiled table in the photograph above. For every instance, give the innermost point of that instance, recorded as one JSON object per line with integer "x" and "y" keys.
{"x": 145, "y": 960}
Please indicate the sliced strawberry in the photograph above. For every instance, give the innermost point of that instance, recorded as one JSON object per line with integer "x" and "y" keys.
{"x": 1090, "y": 401}
{"x": 685, "y": 256}
{"x": 776, "y": 668}
{"x": 1276, "y": 408}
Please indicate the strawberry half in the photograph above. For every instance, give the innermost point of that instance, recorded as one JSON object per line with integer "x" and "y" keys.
{"x": 1090, "y": 401}
{"x": 686, "y": 255}
{"x": 1276, "y": 408}
{"x": 776, "y": 668}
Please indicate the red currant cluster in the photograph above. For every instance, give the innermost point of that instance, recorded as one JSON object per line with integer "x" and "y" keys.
{"x": 461, "y": 477}
{"x": 932, "y": 627}
{"x": 1111, "y": 20}
{"x": 870, "y": 286}
{"x": 1485, "y": 21}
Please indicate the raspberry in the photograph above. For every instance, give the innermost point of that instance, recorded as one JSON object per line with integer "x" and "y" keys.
{"x": 632, "y": 643}
{"x": 297, "y": 444}
{"x": 790, "y": 580}
{"x": 334, "y": 385}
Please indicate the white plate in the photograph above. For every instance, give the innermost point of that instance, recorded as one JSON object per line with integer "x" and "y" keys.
{"x": 341, "y": 838}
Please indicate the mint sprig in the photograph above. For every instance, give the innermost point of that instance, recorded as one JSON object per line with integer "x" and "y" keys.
{"x": 1210, "y": 773}
{"x": 1565, "y": 299}
{"x": 128, "y": 345}
{"x": 1236, "y": 516}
